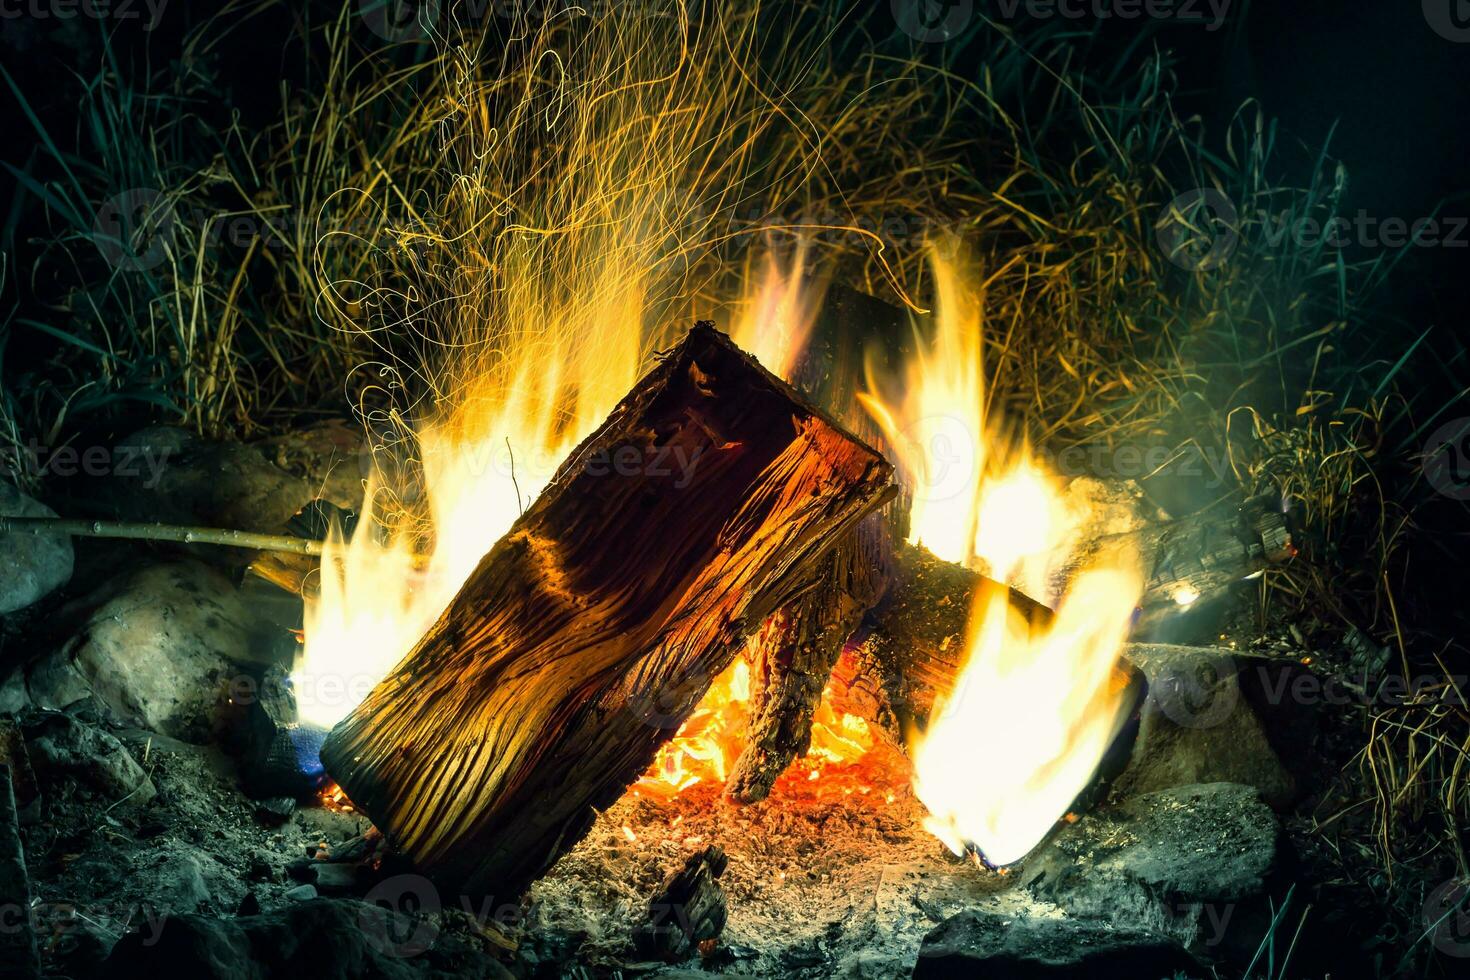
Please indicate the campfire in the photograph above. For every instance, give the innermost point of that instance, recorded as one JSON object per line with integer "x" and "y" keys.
{"x": 588, "y": 652}
{"x": 675, "y": 487}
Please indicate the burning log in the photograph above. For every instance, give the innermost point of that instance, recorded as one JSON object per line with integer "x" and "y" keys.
{"x": 794, "y": 654}
{"x": 915, "y": 639}
{"x": 596, "y": 624}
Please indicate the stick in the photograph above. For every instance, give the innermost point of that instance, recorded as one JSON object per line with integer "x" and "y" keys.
{"x": 160, "y": 532}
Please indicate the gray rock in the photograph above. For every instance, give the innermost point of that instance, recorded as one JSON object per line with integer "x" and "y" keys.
{"x": 275, "y": 811}
{"x": 322, "y": 938}
{"x": 332, "y": 456}
{"x": 1197, "y": 726}
{"x": 181, "y": 885}
{"x": 179, "y": 478}
{"x": 986, "y": 944}
{"x": 301, "y": 893}
{"x": 157, "y": 648}
{"x": 34, "y": 564}
{"x": 1167, "y": 861}
{"x": 63, "y": 749}
{"x": 338, "y": 879}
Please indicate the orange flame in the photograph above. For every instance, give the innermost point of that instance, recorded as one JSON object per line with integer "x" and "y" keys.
{"x": 708, "y": 743}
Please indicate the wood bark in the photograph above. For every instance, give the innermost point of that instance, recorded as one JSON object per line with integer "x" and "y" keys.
{"x": 913, "y": 640}
{"x": 590, "y": 631}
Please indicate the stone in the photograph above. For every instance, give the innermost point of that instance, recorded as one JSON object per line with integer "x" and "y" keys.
{"x": 1169, "y": 861}
{"x": 338, "y": 879}
{"x": 977, "y": 943}
{"x": 180, "y": 478}
{"x": 331, "y": 456}
{"x": 278, "y": 756}
{"x": 324, "y": 939}
{"x": 181, "y": 886}
{"x": 159, "y": 648}
{"x": 301, "y": 893}
{"x": 303, "y": 870}
{"x": 62, "y": 750}
{"x": 1198, "y": 726}
{"x": 275, "y": 811}
{"x": 35, "y": 564}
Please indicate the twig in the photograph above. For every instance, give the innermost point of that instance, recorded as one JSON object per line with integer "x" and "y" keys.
{"x": 160, "y": 532}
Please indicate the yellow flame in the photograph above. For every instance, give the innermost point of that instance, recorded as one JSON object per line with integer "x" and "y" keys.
{"x": 777, "y": 314}
{"x": 493, "y": 453}
{"x": 937, "y": 425}
{"x": 1029, "y": 719}
{"x": 1033, "y": 708}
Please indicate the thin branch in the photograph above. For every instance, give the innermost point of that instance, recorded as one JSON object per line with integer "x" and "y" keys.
{"x": 160, "y": 532}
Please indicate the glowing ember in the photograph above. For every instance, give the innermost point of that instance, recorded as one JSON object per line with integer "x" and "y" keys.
{"x": 1032, "y": 712}
{"x": 332, "y": 797}
{"x": 774, "y": 323}
{"x": 707, "y": 744}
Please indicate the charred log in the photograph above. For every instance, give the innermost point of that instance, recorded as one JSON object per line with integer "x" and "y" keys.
{"x": 688, "y": 911}
{"x": 596, "y": 624}
{"x": 795, "y": 651}
{"x": 915, "y": 639}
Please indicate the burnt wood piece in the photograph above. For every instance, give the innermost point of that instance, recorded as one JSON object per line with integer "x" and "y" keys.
{"x": 592, "y": 629}
{"x": 794, "y": 652}
{"x": 688, "y": 911}
{"x": 1204, "y": 554}
{"x": 915, "y": 638}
